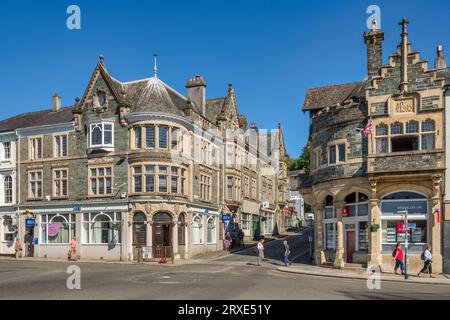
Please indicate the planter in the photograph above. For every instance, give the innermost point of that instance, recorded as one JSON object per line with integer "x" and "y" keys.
{"x": 374, "y": 227}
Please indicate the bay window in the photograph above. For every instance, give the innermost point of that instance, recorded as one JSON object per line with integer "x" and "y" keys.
{"x": 149, "y": 178}
{"x": 101, "y": 135}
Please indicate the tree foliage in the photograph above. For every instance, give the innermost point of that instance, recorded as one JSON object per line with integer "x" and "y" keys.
{"x": 302, "y": 162}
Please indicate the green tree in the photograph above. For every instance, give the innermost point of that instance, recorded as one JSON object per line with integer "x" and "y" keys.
{"x": 302, "y": 162}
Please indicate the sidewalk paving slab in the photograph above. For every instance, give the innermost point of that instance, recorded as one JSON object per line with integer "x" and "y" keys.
{"x": 363, "y": 275}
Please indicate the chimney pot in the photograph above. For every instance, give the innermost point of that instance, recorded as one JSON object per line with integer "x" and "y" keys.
{"x": 440, "y": 61}
{"x": 56, "y": 102}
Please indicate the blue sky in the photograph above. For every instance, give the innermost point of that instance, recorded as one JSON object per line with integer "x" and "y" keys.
{"x": 271, "y": 51}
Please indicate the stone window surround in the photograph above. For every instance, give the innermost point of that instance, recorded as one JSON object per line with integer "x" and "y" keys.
{"x": 3, "y": 151}
{"x": 316, "y": 161}
{"x": 336, "y": 143}
{"x": 266, "y": 189}
{"x": 3, "y": 184}
{"x": 246, "y": 186}
{"x": 55, "y": 144}
{"x": 156, "y": 175}
{"x": 61, "y": 179}
{"x": 36, "y": 181}
{"x": 157, "y": 124}
{"x": 100, "y": 166}
{"x": 253, "y": 189}
{"x": 404, "y": 123}
{"x": 33, "y": 153}
{"x": 205, "y": 187}
{"x": 236, "y": 188}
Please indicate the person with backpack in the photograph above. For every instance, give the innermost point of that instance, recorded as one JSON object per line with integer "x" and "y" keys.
{"x": 397, "y": 254}
{"x": 286, "y": 253}
{"x": 427, "y": 260}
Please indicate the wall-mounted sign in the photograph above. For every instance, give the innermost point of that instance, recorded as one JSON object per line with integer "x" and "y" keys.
{"x": 29, "y": 223}
{"x": 402, "y": 105}
{"x": 76, "y": 209}
{"x": 226, "y": 217}
{"x": 395, "y": 207}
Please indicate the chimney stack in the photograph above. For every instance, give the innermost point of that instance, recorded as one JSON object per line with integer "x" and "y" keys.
{"x": 56, "y": 102}
{"x": 196, "y": 92}
{"x": 440, "y": 61}
{"x": 373, "y": 41}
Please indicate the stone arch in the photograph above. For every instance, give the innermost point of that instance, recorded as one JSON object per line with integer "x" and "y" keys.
{"x": 351, "y": 189}
{"x": 404, "y": 186}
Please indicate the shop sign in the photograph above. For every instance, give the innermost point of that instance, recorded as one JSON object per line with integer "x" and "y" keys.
{"x": 413, "y": 207}
{"x": 226, "y": 217}
{"x": 53, "y": 229}
{"x": 401, "y": 228}
{"x": 76, "y": 209}
{"x": 29, "y": 223}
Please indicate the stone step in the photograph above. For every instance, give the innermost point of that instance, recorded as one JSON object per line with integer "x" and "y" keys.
{"x": 346, "y": 266}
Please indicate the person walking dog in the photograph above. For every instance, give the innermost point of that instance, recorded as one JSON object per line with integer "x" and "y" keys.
{"x": 286, "y": 253}
{"x": 427, "y": 261}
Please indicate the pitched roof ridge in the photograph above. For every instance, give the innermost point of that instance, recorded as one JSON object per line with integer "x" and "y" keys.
{"x": 337, "y": 85}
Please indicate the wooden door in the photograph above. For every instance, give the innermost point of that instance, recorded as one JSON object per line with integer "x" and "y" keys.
{"x": 350, "y": 245}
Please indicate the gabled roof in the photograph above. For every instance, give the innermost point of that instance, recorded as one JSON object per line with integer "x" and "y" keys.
{"x": 328, "y": 96}
{"x": 37, "y": 118}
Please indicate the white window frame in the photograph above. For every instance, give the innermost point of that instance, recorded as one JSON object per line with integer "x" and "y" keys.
{"x": 33, "y": 147}
{"x": 103, "y": 145}
{"x": 58, "y": 149}
{"x": 212, "y": 230}
{"x": 36, "y": 181}
{"x": 113, "y": 217}
{"x": 61, "y": 179}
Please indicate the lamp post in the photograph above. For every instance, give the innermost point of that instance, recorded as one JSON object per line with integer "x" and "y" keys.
{"x": 310, "y": 223}
{"x": 406, "y": 231}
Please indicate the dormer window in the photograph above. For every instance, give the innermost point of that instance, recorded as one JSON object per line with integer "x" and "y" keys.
{"x": 101, "y": 136}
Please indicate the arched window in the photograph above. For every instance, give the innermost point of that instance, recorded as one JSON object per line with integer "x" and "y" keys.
{"x": 102, "y": 229}
{"x": 197, "y": 230}
{"x": 211, "y": 235}
{"x": 162, "y": 217}
{"x": 397, "y": 128}
{"x": 381, "y": 130}
{"x": 101, "y": 98}
{"x": 412, "y": 127}
{"x": 57, "y": 228}
{"x": 139, "y": 229}
{"x": 356, "y": 204}
{"x": 393, "y": 209}
{"x": 181, "y": 229}
{"x": 329, "y": 208}
{"x": 97, "y": 137}
{"x": 330, "y": 224}
{"x": 8, "y": 187}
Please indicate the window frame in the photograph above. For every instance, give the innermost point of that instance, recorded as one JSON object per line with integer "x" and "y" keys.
{"x": 36, "y": 183}
{"x": 58, "y": 150}
{"x": 101, "y": 125}
{"x": 97, "y": 177}
{"x": 61, "y": 179}
{"x": 34, "y": 152}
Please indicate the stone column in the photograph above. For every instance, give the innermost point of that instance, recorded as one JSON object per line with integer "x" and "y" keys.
{"x": 319, "y": 255}
{"x": 375, "y": 258}
{"x": 339, "y": 257}
{"x": 176, "y": 254}
{"x": 434, "y": 225}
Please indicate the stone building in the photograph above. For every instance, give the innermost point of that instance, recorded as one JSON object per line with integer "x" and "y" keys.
{"x": 138, "y": 165}
{"x": 361, "y": 184}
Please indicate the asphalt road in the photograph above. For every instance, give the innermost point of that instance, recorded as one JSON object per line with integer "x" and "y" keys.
{"x": 234, "y": 276}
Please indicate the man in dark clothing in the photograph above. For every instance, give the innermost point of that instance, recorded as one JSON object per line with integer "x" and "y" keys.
{"x": 241, "y": 238}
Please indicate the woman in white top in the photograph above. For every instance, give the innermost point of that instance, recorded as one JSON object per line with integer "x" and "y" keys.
{"x": 260, "y": 249}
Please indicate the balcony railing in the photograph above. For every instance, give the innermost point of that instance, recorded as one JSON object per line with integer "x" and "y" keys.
{"x": 423, "y": 160}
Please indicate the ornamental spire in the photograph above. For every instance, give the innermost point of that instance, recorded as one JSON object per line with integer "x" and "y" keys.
{"x": 404, "y": 51}
{"x": 155, "y": 67}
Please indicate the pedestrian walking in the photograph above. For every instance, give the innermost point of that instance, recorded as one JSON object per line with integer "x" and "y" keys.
{"x": 398, "y": 258}
{"x": 260, "y": 251}
{"x": 73, "y": 249}
{"x": 286, "y": 253}
{"x": 228, "y": 242}
{"x": 18, "y": 248}
{"x": 241, "y": 236}
{"x": 427, "y": 261}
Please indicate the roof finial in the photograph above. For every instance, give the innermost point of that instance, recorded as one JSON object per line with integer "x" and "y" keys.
{"x": 101, "y": 58}
{"x": 155, "y": 68}
{"x": 404, "y": 51}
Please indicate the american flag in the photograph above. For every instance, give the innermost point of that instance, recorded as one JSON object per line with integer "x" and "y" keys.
{"x": 367, "y": 129}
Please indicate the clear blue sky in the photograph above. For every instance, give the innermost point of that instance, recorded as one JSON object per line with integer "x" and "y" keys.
{"x": 271, "y": 51}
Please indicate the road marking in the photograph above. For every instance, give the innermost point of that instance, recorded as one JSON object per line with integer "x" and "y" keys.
{"x": 169, "y": 282}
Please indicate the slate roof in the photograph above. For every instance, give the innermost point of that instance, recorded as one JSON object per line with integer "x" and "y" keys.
{"x": 213, "y": 108}
{"x": 328, "y": 96}
{"x": 37, "y": 118}
{"x": 444, "y": 73}
{"x": 153, "y": 95}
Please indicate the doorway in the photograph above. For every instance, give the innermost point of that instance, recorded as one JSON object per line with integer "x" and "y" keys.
{"x": 29, "y": 241}
{"x": 162, "y": 235}
{"x": 350, "y": 245}
{"x": 139, "y": 233}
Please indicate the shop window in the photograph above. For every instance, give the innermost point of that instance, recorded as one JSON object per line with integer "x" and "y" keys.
{"x": 57, "y": 228}
{"x": 102, "y": 228}
{"x": 139, "y": 229}
{"x": 197, "y": 231}
{"x": 330, "y": 236}
{"x": 363, "y": 236}
{"x": 211, "y": 232}
{"x": 356, "y": 205}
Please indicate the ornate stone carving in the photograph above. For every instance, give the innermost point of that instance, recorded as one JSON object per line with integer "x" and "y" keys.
{"x": 100, "y": 100}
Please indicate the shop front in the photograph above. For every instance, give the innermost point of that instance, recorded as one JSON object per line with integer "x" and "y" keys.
{"x": 8, "y": 232}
